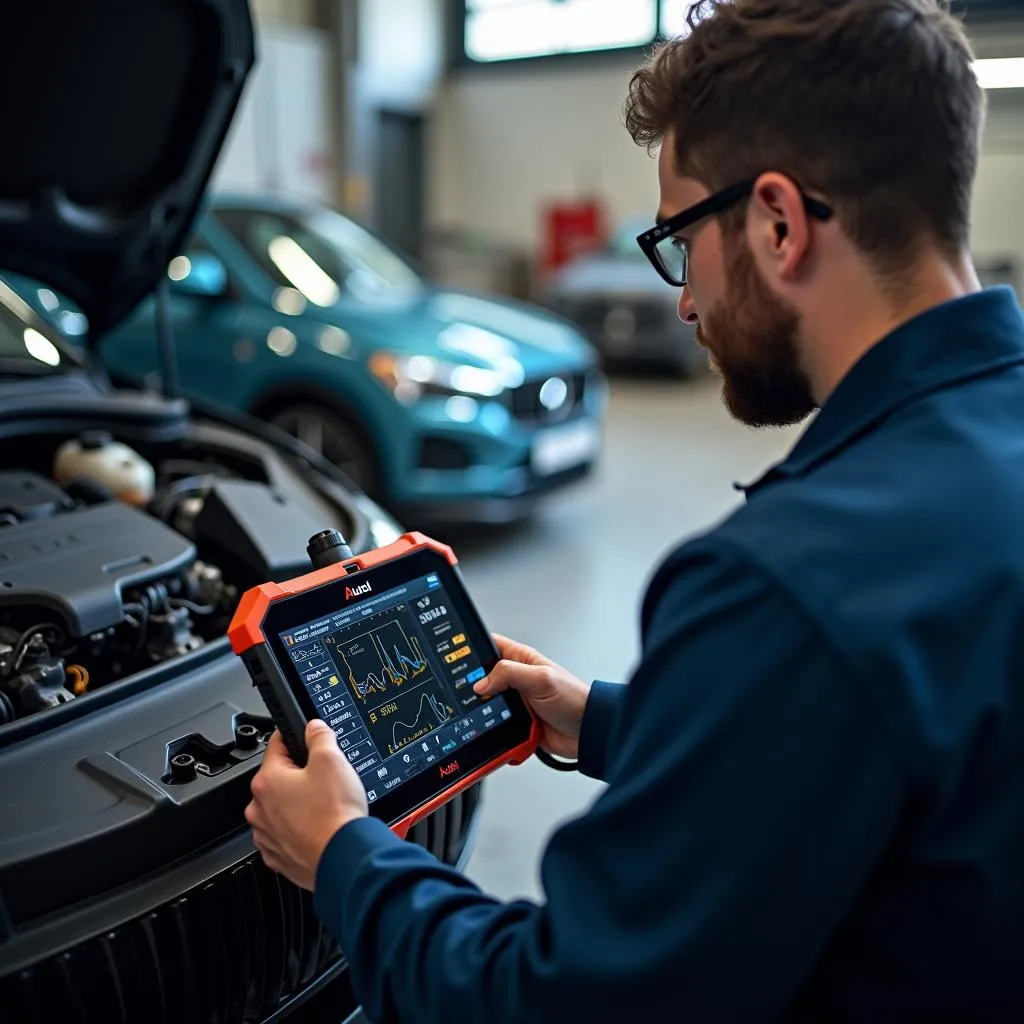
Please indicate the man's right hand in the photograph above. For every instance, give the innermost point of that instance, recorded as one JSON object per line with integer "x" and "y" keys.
{"x": 555, "y": 696}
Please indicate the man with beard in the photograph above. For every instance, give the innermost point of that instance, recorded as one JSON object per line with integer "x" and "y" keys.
{"x": 815, "y": 802}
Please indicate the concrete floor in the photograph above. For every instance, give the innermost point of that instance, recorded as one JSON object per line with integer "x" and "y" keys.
{"x": 570, "y": 581}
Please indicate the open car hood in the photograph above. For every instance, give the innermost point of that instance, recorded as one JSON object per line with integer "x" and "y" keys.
{"x": 119, "y": 111}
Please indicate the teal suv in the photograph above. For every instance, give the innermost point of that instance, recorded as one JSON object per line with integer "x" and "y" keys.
{"x": 444, "y": 405}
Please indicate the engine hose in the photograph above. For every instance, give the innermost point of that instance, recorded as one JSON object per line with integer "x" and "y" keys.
{"x": 191, "y": 468}
{"x": 92, "y": 492}
{"x": 173, "y": 494}
{"x": 20, "y": 646}
{"x": 6, "y": 709}
{"x": 152, "y": 596}
{"x": 79, "y": 678}
{"x": 141, "y": 609}
{"x": 192, "y": 606}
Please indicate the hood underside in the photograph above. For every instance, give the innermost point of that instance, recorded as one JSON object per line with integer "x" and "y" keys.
{"x": 121, "y": 109}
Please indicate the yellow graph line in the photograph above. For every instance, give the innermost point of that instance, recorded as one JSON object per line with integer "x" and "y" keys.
{"x": 396, "y": 678}
{"x": 385, "y": 658}
{"x": 414, "y": 646}
{"x": 434, "y": 705}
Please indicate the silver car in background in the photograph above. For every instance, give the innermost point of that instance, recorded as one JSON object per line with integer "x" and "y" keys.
{"x": 625, "y": 309}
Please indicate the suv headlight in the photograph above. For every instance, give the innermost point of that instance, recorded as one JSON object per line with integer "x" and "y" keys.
{"x": 408, "y": 378}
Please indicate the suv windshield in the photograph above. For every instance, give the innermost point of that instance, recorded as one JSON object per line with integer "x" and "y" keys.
{"x": 320, "y": 253}
{"x": 622, "y": 243}
{"x": 27, "y": 345}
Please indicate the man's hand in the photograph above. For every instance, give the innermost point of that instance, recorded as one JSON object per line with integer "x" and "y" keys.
{"x": 296, "y": 811}
{"x": 554, "y": 695}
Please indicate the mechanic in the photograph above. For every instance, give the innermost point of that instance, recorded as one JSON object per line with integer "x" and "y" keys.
{"x": 815, "y": 799}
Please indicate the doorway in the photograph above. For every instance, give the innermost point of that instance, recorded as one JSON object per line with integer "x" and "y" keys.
{"x": 400, "y": 185}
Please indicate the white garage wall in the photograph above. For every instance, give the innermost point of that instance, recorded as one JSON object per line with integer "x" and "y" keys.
{"x": 401, "y": 50}
{"x": 506, "y": 141}
{"x": 280, "y": 139}
{"x": 399, "y": 61}
{"x": 999, "y": 191}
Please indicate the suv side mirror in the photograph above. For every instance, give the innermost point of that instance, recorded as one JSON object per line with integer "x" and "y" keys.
{"x": 198, "y": 273}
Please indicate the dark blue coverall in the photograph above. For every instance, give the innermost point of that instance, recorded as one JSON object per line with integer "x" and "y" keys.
{"x": 815, "y": 802}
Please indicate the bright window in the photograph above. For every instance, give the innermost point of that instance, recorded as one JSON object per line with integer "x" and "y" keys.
{"x": 498, "y": 30}
{"x": 673, "y": 17}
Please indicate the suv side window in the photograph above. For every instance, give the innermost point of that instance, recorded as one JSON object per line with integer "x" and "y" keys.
{"x": 189, "y": 260}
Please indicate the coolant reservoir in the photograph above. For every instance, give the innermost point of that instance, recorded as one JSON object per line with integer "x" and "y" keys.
{"x": 97, "y": 456}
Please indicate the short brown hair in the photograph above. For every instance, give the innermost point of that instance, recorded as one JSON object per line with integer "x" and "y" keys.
{"x": 874, "y": 103}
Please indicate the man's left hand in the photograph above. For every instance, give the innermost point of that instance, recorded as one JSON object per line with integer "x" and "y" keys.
{"x": 296, "y": 811}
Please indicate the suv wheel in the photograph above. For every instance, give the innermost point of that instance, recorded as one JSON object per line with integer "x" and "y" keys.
{"x": 333, "y": 437}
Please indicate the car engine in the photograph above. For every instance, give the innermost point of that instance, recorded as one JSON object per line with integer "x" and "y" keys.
{"x": 101, "y": 578}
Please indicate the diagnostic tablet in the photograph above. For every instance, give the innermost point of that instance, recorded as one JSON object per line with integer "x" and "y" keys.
{"x": 385, "y": 647}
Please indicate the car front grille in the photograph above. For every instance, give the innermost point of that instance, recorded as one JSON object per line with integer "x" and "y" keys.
{"x": 443, "y": 453}
{"x": 233, "y": 949}
{"x": 527, "y": 407}
{"x": 236, "y": 949}
{"x": 592, "y": 315}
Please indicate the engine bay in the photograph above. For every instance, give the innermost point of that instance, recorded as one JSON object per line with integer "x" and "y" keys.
{"x": 115, "y": 559}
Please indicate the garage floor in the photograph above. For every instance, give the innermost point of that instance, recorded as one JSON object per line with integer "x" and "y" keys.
{"x": 570, "y": 582}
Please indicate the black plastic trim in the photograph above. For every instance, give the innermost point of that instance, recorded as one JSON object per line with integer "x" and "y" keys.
{"x": 92, "y": 207}
{"x": 139, "y": 951}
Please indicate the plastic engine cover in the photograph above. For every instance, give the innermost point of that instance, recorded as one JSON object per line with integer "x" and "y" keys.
{"x": 254, "y": 533}
{"x": 78, "y": 563}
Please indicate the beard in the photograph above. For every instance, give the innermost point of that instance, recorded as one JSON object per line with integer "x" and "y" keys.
{"x": 751, "y": 335}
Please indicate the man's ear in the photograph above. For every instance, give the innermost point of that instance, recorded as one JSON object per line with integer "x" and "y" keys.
{"x": 778, "y": 226}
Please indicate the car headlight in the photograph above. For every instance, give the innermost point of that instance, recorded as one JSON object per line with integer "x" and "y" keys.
{"x": 408, "y": 378}
{"x": 383, "y": 532}
{"x": 384, "y": 529}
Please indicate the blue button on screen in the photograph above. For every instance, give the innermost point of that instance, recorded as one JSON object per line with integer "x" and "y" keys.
{"x": 474, "y": 676}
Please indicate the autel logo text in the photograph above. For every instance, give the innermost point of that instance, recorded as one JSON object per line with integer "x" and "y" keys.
{"x": 363, "y": 588}
{"x": 449, "y": 769}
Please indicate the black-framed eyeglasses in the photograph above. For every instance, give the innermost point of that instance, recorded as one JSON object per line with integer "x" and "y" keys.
{"x": 668, "y": 254}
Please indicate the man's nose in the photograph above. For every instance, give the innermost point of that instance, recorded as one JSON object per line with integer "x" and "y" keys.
{"x": 687, "y": 310}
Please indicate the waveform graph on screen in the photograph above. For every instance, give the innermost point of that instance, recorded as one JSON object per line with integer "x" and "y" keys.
{"x": 384, "y": 658}
{"x": 409, "y": 717}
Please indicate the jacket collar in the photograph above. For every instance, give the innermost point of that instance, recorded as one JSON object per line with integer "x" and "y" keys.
{"x": 953, "y": 342}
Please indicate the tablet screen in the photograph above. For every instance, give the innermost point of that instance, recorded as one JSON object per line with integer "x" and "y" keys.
{"x": 392, "y": 674}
